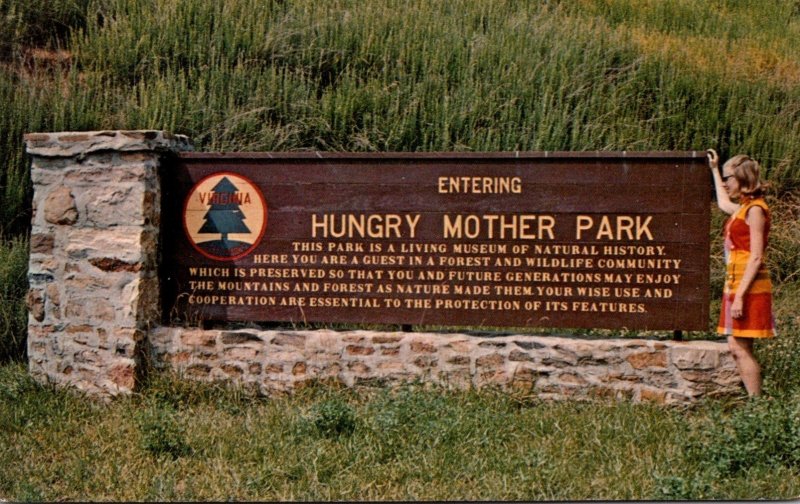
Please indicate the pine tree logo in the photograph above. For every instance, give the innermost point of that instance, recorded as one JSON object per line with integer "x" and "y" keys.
{"x": 225, "y": 216}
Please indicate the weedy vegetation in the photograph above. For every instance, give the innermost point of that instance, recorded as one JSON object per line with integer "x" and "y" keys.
{"x": 13, "y": 289}
{"x": 191, "y": 441}
{"x": 403, "y": 75}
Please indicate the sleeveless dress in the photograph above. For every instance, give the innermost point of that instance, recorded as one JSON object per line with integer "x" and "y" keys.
{"x": 757, "y": 320}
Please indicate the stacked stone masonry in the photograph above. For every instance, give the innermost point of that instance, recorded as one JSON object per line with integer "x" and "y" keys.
{"x": 95, "y": 309}
{"x": 545, "y": 366}
{"x": 94, "y": 254}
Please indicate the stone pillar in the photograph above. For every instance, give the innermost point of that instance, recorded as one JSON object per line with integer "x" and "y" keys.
{"x": 94, "y": 289}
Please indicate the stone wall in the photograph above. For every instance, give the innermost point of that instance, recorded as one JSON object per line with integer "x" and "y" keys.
{"x": 95, "y": 309}
{"x": 94, "y": 254}
{"x": 544, "y": 366}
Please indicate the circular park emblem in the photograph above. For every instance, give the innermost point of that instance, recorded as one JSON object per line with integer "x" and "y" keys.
{"x": 225, "y": 216}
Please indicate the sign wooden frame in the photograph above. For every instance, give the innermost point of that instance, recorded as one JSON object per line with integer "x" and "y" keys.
{"x": 536, "y": 239}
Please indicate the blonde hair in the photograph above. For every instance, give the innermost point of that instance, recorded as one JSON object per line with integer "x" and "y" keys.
{"x": 747, "y": 172}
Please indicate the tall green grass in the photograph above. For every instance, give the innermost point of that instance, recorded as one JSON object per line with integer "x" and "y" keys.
{"x": 355, "y": 75}
{"x": 13, "y": 288}
{"x": 419, "y": 76}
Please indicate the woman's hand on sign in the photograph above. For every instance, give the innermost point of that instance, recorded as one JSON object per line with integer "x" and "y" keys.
{"x": 713, "y": 158}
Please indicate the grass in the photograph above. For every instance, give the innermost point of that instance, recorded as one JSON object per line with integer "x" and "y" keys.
{"x": 183, "y": 441}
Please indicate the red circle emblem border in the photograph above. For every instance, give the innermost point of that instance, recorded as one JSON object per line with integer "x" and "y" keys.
{"x": 263, "y": 225}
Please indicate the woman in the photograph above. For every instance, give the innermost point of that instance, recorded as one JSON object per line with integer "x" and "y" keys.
{"x": 747, "y": 299}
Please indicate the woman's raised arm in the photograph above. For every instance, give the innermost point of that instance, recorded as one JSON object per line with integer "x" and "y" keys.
{"x": 723, "y": 200}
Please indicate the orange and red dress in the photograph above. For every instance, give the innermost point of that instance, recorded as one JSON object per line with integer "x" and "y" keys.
{"x": 757, "y": 320}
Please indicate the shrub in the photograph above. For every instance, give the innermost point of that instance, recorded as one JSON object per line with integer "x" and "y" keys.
{"x": 333, "y": 418}
{"x": 161, "y": 433}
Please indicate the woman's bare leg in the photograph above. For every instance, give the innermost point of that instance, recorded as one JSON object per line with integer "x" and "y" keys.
{"x": 749, "y": 370}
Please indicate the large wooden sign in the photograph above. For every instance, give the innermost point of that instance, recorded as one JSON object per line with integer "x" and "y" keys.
{"x": 606, "y": 240}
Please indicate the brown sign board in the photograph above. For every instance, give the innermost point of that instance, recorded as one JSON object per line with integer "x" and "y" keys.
{"x": 533, "y": 239}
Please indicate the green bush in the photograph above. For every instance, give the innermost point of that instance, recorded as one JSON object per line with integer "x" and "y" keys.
{"x": 13, "y": 289}
{"x": 162, "y": 434}
{"x": 333, "y": 418}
